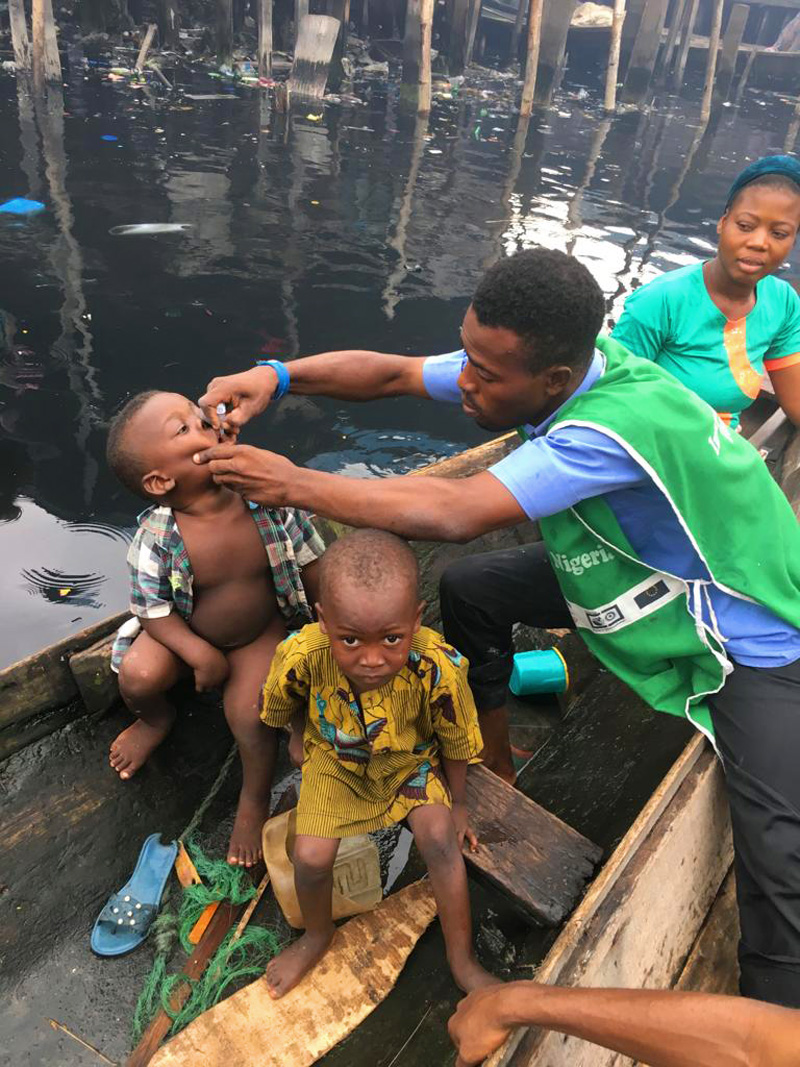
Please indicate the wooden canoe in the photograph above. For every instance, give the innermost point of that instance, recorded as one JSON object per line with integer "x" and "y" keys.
{"x": 642, "y": 785}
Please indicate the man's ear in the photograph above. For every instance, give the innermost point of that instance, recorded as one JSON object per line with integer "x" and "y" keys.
{"x": 418, "y": 620}
{"x": 320, "y": 617}
{"x": 155, "y": 483}
{"x": 557, "y": 380}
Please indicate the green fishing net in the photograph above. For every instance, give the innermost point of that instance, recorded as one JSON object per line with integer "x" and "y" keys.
{"x": 242, "y": 960}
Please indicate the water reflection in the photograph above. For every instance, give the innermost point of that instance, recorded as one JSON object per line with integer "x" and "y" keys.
{"x": 363, "y": 228}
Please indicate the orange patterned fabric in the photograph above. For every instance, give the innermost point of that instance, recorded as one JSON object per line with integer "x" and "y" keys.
{"x": 744, "y": 373}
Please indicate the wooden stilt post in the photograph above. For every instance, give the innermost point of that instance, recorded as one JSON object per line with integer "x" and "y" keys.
{"x": 46, "y": 61}
{"x": 556, "y": 21}
{"x": 731, "y": 42}
{"x": 168, "y": 23}
{"x": 759, "y": 44}
{"x": 645, "y": 52}
{"x": 426, "y": 31}
{"x": 224, "y": 30}
{"x": 300, "y": 11}
{"x": 686, "y": 41}
{"x": 711, "y": 65}
{"x": 472, "y": 29}
{"x": 145, "y": 48}
{"x": 516, "y": 31}
{"x": 672, "y": 37}
{"x": 458, "y": 35}
{"x": 412, "y": 48}
{"x": 532, "y": 60}
{"x": 19, "y": 36}
{"x": 265, "y": 39}
{"x": 617, "y": 22}
{"x": 794, "y": 129}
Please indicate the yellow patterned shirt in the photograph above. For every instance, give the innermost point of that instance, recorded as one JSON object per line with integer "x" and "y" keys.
{"x": 368, "y": 762}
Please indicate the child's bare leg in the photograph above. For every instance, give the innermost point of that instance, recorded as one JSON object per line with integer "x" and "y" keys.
{"x": 148, "y": 671}
{"x": 313, "y": 881}
{"x": 297, "y": 727}
{"x": 249, "y": 667}
{"x": 435, "y": 835}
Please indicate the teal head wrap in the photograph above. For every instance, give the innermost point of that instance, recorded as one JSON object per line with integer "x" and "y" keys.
{"x": 786, "y": 166}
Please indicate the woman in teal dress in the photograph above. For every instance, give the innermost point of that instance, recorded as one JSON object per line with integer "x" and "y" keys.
{"x": 719, "y": 325}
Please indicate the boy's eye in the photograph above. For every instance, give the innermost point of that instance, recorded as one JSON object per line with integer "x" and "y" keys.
{"x": 183, "y": 428}
{"x": 393, "y": 639}
{"x": 350, "y": 642}
{"x": 206, "y": 424}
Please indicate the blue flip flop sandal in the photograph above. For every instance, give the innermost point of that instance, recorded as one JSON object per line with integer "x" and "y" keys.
{"x": 126, "y": 919}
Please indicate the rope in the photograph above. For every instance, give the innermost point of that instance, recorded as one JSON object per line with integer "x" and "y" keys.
{"x": 246, "y": 958}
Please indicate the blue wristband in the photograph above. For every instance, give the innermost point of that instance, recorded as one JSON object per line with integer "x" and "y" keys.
{"x": 281, "y": 370}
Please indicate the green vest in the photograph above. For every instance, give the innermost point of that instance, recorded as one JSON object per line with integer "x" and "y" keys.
{"x": 644, "y": 625}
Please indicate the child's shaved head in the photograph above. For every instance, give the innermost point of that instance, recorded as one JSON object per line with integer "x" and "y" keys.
{"x": 369, "y": 560}
{"x": 122, "y": 455}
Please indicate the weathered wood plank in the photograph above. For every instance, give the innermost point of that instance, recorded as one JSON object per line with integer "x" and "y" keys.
{"x": 712, "y": 966}
{"x": 96, "y": 682}
{"x": 354, "y": 976}
{"x": 645, "y": 51}
{"x": 552, "y": 46}
{"x": 640, "y": 919}
{"x": 43, "y": 682}
{"x": 538, "y": 861}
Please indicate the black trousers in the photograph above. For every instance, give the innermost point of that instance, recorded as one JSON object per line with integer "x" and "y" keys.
{"x": 756, "y": 719}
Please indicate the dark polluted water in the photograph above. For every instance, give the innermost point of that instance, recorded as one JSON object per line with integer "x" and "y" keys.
{"x": 349, "y": 226}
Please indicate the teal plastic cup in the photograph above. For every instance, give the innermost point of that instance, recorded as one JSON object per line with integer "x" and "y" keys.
{"x": 538, "y": 672}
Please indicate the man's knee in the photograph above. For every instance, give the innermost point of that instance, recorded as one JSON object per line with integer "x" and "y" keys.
{"x": 459, "y": 583}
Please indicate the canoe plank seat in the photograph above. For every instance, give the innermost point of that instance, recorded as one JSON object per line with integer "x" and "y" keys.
{"x": 527, "y": 853}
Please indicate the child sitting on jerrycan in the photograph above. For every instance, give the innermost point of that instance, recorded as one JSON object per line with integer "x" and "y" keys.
{"x": 390, "y": 729}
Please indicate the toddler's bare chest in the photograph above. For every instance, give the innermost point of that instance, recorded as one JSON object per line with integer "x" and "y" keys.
{"x": 225, "y": 552}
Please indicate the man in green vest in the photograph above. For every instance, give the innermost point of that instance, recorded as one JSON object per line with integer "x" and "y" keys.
{"x": 666, "y": 543}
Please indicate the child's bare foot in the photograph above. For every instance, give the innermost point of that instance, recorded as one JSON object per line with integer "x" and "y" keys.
{"x": 469, "y": 975}
{"x": 294, "y": 963}
{"x": 244, "y": 848}
{"x": 131, "y": 749}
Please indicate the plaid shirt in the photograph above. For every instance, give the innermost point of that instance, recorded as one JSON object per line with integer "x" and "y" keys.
{"x": 161, "y": 574}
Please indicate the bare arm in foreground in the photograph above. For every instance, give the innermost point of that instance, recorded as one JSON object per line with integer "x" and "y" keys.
{"x": 662, "y": 1029}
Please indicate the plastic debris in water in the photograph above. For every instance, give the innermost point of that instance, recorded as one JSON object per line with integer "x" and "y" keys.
{"x": 20, "y": 206}
{"x": 144, "y": 228}
{"x": 65, "y": 591}
{"x": 314, "y": 118}
{"x": 109, "y": 137}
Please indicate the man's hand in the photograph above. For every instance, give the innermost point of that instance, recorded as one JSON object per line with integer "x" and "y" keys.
{"x": 258, "y": 475}
{"x": 478, "y": 1028}
{"x": 244, "y": 395}
{"x": 463, "y": 829}
{"x": 210, "y": 668}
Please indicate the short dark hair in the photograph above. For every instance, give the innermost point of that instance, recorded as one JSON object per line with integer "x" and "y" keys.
{"x": 766, "y": 181}
{"x": 124, "y": 460}
{"x": 368, "y": 560}
{"x": 550, "y": 300}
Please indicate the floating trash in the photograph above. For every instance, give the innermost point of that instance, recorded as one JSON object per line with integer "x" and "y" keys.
{"x": 141, "y": 229}
{"x": 20, "y": 206}
{"x": 109, "y": 137}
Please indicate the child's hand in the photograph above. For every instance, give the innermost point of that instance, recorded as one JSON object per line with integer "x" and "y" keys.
{"x": 210, "y": 669}
{"x": 464, "y": 831}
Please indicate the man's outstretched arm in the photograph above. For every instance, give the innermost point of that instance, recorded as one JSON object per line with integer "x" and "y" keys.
{"x": 423, "y": 509}
{"x": 663, "y": 1029}
{"x": 347, "y": 375}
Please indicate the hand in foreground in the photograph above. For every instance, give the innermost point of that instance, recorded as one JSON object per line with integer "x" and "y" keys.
{"x": 210, "y": 669}
{"x": 463, "y": 829}
{"x": 245, "y": 395}
{"x": 258, "y": 475}
{"x": 478, "y": 1027}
